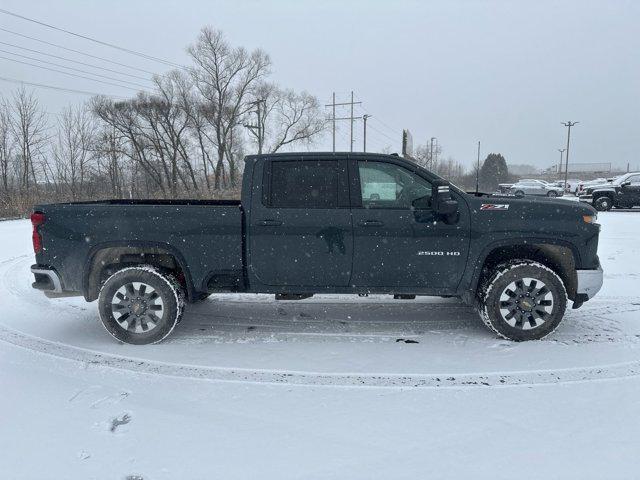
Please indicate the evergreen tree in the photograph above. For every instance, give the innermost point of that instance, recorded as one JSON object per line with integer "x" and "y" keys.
{"x": 492, "y": 172}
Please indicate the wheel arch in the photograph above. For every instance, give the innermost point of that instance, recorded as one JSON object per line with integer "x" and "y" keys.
{"x": 561, "y": 257}
{"x": 107, "y": 257}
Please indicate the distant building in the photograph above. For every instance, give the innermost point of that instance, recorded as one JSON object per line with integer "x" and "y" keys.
{"x": 523, "y": 169}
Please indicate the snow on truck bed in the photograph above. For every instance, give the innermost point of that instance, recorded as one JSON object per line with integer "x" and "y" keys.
{"x": 329, "y": 387}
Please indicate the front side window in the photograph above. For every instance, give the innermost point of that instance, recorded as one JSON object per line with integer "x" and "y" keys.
{"x": 385, "y": 185}
{"x": 304, "y": 184}
{"x": 634, "y": 179}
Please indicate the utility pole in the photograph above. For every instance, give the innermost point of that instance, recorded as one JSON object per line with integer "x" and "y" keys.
{"x": 364, "y": 137}
{"x": 478, "y": 170}
{"x": 561, "y": 150}
{"x": 431, "y": 152}
{"x": 333, "y": 104}
{"x": 351, "y": 118}
{"x": 351, "y": 137}
{"x": 435, "y": 163}
{"x": 258, "y": 126}
{"x": 567, "y": 124}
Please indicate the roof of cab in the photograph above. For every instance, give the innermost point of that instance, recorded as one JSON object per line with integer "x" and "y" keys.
{"x": 323, "y": 154}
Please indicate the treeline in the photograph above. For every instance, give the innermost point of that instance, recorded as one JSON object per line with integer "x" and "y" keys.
{"x": 185, "y": 137}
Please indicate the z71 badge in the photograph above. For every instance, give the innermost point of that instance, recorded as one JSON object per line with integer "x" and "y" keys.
{"x": 494, "y": 206}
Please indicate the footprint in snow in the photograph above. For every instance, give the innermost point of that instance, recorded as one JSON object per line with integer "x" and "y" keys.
{"x": 118, "y": 421}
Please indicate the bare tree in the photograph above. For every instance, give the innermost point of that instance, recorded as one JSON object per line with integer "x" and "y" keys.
{"x": 285, "y": 117}
{"x": 225, "y": 78}
{"x": 6, "y": 144}
{"x": 123, "y": 118}
{"x": 29, "y": 129}
{"x": 73, "y": 149}
{"x": 110, "y": 161}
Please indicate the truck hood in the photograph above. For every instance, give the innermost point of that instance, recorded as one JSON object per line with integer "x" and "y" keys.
{"x": 528, "y": 215}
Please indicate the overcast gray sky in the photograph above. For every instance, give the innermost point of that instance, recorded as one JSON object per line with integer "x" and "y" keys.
{"x": 503, "y": 72}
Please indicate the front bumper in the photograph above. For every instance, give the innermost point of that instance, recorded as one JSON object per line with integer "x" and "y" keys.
{"x": 589, "y": 282}
{"x": 586, "y": 198}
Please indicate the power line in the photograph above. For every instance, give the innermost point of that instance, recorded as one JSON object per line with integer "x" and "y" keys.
{"x": 74, "y": 69}
{"x": 383, "y": 134}
{"x": 66, "y": 59}
{"x": 384, "y": 124}
{"x": 52, "y": 87}
{"x": 95, "y": 40}
{"x": 67, "y": 73}
{"x": 76, "y": 51}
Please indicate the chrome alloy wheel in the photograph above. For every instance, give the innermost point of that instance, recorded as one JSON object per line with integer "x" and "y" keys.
{"x": 526, "y": 303}
{"x": 137, "y": 307}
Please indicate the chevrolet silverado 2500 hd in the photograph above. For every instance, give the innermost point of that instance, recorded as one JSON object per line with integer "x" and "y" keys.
{"x": 312, "y": 223}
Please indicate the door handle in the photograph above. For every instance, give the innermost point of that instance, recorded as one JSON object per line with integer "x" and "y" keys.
{"x": 370, "y": 223}
{"x": 270, "y": 223}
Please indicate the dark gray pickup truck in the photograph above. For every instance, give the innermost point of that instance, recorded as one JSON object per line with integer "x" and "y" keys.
{"x": 311, "y": 223}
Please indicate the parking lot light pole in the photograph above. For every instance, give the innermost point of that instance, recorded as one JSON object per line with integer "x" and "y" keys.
{"x": 561, "y": 150}
{"x": 568, "y": 124}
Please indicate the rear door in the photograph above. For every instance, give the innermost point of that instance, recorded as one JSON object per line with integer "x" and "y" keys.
{"x": 396, "y": 247}
{"x": 300, "y": 232}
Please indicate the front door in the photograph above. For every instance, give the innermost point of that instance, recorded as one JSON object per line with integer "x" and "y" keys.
{"x": 396, "y": 245}
{"x": 300, "y": 232}
{"x": 630, "y": 194}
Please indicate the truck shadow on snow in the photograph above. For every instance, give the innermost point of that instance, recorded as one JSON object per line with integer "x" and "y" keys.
{"x": 262, "y": 318}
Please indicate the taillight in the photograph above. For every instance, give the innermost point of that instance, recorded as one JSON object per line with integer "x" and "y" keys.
{"x": 37, "y": 219}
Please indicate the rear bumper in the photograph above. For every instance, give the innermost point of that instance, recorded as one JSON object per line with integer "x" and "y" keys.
{"x": 586, "y": 198}
{"x": 589, "y": 282}
{"x": 47, "y": 279}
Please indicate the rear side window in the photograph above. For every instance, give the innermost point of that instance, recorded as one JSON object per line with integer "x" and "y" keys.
{"x": 306, "y": 184}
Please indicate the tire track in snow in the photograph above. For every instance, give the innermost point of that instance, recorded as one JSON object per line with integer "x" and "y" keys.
{"x": 309, "y": 378}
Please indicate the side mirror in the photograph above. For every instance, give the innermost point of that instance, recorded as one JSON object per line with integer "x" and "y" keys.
{"x": 626, "y": 184}
{"x": 444, "y": 205}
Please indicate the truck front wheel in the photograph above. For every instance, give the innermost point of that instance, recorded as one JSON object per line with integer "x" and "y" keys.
{"x": 603, "y": 204}
{"x": 522, "y": 300}
{"x": 140, "y": 305}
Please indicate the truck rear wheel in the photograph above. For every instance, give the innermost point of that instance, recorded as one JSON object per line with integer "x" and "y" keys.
{"x": 140, "y": 305}
{"x": 522, "y": 300}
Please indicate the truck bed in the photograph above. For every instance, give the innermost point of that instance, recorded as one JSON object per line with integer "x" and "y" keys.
{"x": 205, "y": 235}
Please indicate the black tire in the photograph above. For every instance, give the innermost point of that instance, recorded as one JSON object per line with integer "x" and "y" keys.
{"x": 603, "y": 204}
{"x": 519, "y": 193}
{"x": 552, "y": 193}
{"x": 140, "y": 305}
{"x": 516, "y": 308}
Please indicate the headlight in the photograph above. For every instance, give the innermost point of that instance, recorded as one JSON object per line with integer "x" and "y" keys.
{"x": 590, "y": 218}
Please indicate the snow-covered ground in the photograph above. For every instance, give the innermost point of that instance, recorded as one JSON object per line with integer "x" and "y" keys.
{"x": 247, "y": 387}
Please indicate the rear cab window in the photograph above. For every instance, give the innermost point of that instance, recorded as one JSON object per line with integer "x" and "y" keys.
{"x": 305, "y": 184}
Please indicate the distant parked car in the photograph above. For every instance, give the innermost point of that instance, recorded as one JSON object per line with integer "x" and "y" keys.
{"x": 504, "y": 187}
{"x": 535, "y": 187}
{"x": 572, "y": 185}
